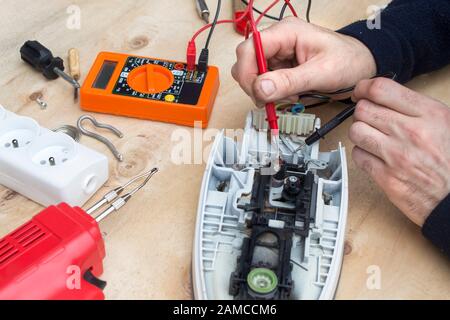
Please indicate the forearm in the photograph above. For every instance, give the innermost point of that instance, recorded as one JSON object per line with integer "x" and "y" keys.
{"x": 414, "y": 37}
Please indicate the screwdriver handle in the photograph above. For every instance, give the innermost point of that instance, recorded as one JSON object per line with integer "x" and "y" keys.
{"x": 74, "y": 64}
{"x": 41, "y": 59}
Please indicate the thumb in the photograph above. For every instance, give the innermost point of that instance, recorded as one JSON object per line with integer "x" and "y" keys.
{"x": 284, "y": 83}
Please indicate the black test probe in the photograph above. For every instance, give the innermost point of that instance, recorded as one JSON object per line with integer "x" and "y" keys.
{"x": 333, "y": 124}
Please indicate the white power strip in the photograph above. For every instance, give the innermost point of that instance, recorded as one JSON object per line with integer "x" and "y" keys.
{"x": 47, "y": 167}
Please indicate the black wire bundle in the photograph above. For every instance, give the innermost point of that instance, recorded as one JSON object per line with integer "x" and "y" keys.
{"x": 326, "y": 97}
{"x": 283, "y": 11}
{"x": 204, "y": 55}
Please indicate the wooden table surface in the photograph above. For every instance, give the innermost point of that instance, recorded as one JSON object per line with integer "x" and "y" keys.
{"x": 149, "y": 244}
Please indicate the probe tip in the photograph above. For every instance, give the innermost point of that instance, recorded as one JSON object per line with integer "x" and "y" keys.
{"x": 205, "y": 17}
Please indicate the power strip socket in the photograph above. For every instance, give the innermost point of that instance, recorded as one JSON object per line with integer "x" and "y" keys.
{"x": 45, "y": 166}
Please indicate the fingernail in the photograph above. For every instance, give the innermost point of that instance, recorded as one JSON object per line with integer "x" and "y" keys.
{"x": 268, "y": 87}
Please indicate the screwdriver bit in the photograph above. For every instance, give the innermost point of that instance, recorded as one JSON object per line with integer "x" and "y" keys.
{"x": 42, "y": 59}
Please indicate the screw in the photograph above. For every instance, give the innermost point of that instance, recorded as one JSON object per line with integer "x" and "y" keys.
{"x": 42, "y": 104}
{"x": 15, "y": 143}
{"x": 37, "y": 96}
{"x": 52, "y": 161}
{"x": 293, "y": 179}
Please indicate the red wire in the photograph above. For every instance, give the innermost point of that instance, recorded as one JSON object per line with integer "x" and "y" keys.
{"x": 291, "y": 7}
{"x": 267, "y": 10}
{"x": 260, "y": 58}
{"x": 206, "y": 27}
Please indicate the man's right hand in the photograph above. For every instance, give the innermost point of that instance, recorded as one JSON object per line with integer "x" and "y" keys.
{"x": 304, "y": 58}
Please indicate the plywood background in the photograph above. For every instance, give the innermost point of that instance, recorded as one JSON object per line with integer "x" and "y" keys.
{"x": 149, "y": 244}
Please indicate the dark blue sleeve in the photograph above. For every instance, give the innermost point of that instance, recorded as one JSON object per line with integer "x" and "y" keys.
{"x": 414, "y": 37}
{"x": 437, "y": 226}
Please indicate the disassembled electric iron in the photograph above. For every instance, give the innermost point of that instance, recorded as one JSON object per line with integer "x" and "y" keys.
{"x": 269, "y": 235}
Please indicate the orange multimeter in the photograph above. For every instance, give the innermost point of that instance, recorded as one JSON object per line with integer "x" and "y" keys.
{"x": 149, "y": 88}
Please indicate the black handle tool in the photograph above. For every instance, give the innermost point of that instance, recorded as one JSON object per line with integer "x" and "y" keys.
{"x": 42, "y": 59}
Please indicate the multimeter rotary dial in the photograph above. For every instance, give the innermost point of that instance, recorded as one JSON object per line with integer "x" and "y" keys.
{"x": 150, "y": 79}
{"x": 149, "y": 88}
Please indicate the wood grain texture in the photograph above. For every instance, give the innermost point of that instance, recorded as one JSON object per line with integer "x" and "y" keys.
{"x": 149, "y": 244}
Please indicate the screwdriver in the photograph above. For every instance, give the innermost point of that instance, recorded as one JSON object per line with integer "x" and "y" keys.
{"x": 42, "y": 59}
{"x": 203, "y": 10}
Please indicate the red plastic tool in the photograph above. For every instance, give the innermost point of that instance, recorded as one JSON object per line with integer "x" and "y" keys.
{"x": 58, "y": 254}
{"x": 42, "y": 258}
{"x": 239, "y": 11}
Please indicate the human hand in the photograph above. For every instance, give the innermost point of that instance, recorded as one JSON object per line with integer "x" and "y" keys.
{"x": 304, "y": 58}
{"x": 402, "y": 141}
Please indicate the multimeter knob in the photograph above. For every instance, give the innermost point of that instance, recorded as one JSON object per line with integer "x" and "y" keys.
{"x": 150, "y": 79}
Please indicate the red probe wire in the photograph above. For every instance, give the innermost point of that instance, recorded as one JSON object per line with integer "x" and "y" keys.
{"x": 266, "y": 11}
{"x": 259, "y": 51}
{"x": 261, "y": 61}
{"x": 291, "y": 7}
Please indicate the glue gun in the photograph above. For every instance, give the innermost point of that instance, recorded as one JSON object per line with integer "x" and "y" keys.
{"x": 58, "y": 254}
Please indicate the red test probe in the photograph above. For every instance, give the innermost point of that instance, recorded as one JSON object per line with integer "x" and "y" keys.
{"x": 245, "y": 17}
{"x": 58, "y": 254}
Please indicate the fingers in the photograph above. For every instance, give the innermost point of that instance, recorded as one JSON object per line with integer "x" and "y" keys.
{"x": 279, "y": 45}
{"x": 276, "y": 85}
{"x": 369, "y": 139}
{"x": 246, "y": 76}
{"x": 373, "y": 166}
{"x": 383, "y": 119}
{"x": 390, "y": 94}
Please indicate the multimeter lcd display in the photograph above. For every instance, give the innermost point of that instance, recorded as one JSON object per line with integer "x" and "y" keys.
{"x": 105, "y": 74}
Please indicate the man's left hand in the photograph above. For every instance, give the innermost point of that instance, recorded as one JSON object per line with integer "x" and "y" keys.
{"x": 402, "y": 141}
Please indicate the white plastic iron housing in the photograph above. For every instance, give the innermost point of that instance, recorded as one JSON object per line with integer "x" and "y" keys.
{"x": 299, "y": 253}
{"x": 47, "y": 167}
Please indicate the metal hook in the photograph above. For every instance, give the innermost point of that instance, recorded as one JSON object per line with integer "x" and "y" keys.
{"x": 98, "y": 137}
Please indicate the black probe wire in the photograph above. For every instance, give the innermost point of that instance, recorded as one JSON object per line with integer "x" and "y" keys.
{"x": 308, "y": 11}
{"x": 283, "y": 11}
{"x": 260, "y": 12}
{"x": 326, "y": 95}
{"x": 214, "y": 24}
